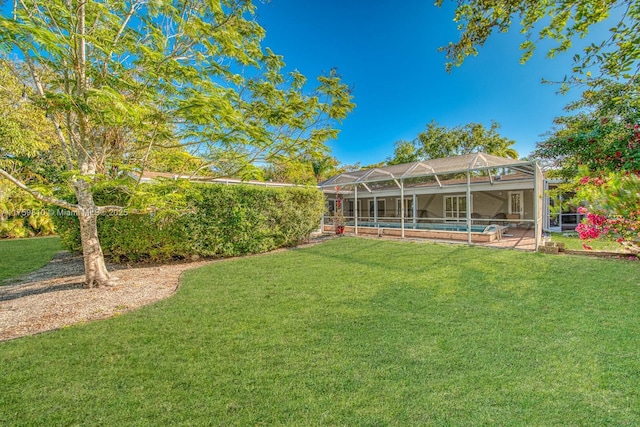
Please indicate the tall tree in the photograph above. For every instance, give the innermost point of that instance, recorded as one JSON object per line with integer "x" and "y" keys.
{"x": 404, "y": 152}
{"x": 438, "y": 141}
{"x": 560, "y": 21}
{"x": 603, "y": 134}
{"x": 303, "y": 171}
{"x": 118, "y": 79}
{"x": 325, "y": 167}
{"x": 291, "y": 172}
{"x": 175, "y": 160}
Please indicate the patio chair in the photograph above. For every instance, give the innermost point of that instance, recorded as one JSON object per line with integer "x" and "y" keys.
{"x": 501, "y": 215}
{"x": 496, "y": 228}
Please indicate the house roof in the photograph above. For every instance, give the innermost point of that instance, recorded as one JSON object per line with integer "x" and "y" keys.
{"x": 432, "y": 167}
{"x": 148, "y": 176}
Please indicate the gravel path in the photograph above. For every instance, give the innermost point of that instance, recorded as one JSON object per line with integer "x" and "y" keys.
{"x": 53, "y": 297}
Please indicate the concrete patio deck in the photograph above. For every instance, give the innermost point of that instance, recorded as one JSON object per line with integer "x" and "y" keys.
{"x": 514, "y": 238}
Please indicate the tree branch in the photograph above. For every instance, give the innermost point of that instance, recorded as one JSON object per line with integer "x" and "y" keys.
{"x": 41, "y": 93}
{"x": 37, "y": 194}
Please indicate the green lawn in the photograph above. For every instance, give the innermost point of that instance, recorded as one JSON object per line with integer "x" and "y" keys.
{"x": 351, "y": 332}
{"x": 20, "y": 256}
{"x": 574, "y": 242}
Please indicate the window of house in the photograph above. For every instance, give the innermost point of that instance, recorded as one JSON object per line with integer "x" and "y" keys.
{"x": 455, "y": 207}
{"x": 408, "y": 207}
{"x": 350, "y": 211}
{"x": 382, "y": 207}
{"x": 331, "y": 206}
{"x": 515, "y": 203}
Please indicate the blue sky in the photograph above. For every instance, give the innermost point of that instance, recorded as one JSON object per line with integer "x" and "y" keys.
{"x": 387, "y": 51}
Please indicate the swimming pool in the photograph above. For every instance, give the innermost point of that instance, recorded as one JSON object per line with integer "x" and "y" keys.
{"x": 462, "y": 228}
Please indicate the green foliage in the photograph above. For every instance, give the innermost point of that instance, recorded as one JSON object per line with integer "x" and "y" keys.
{"x": 121, "y": 81}
{"x": 325, "y": 167}
{"x": 600, "y": 145}
{"x": 68, "y": 229}
{"x": 612, "y": 205}
{"x": 176, "y": 160}
{"x": 209, "y": 220}
{"x": 604, "y": 134}
{"x": 438, "y": 141}
{"x": 25, "y": 141}
{"x": 24, "y": 130}
{"x": 560, "y": 21}
{"x": 309, "y": 170}
{"x": 293, "y": 171}
{"x": 404, "y": 152}
{"x": 21, "y": 215}
{"x": 126, "y": 82}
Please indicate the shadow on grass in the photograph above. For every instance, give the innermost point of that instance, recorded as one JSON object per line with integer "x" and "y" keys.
{"x": 8, "y": 293}
{"x": 64, "y": 272}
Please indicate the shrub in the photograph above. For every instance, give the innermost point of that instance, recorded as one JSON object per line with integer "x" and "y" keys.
{"x": 200, "y": 219}
{"x": 612, "y": 208}
{"x": 21, "y": 215}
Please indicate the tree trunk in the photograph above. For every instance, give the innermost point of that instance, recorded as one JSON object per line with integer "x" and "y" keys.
{"x": 95, "y": 269}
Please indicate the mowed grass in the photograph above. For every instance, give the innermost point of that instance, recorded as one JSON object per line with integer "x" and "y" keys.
{"x": 356, "y": 332}
{"x": 21, "y": 256}
{"x": 575, "y": 243}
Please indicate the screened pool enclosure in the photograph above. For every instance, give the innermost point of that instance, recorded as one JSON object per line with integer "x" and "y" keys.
{"x": 477, "y": 198}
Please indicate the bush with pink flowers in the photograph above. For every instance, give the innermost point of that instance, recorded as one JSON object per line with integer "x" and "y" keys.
{"x": 612, "y": 207}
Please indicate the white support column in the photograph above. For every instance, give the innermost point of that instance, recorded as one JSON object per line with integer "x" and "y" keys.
{"x": 355, "y": 209}
{"x": 536, "y": 205}
{"x": 402, "y": 206}
{"x": 468, "y": 207}
{"x": 546, "y": 218}
{"x": 415, "y": 209}
{"x": 375, "y": 209}
{"x": 560, "y": 200}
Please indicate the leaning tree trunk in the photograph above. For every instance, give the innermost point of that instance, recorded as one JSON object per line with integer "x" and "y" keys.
{"x": 95, "y": 269}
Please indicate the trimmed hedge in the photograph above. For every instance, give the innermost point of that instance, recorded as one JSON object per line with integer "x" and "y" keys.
{"x": 210, "y": 220}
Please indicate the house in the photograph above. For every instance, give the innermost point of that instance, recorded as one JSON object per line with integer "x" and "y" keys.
{"x": 477, "y": 198}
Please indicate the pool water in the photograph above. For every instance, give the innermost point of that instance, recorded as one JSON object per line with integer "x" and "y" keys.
{"x": 411, "y": 226}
